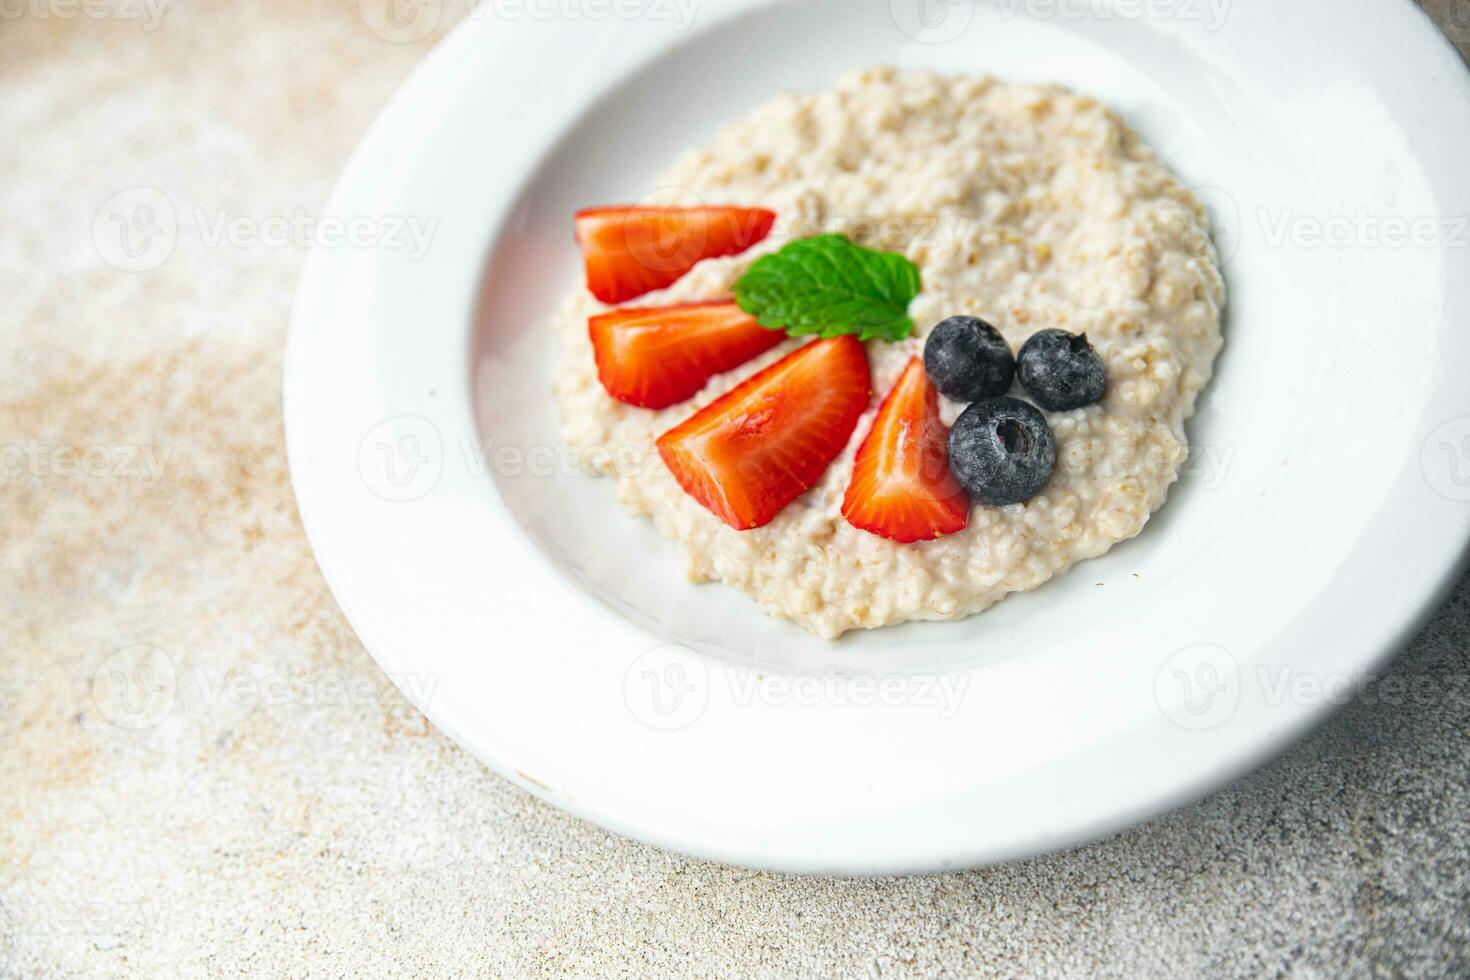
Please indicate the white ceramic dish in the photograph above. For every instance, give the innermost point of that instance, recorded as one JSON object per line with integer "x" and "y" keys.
{"x": 556, "y": 639}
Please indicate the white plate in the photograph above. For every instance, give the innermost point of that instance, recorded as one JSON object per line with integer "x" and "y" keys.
{"x": 535, "y": 623}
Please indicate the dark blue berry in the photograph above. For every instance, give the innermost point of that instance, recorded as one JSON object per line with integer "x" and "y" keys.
{"x": 1002, "y": 451}
{"x": 968, "y": 359}
{"x": 1060, "y": 370}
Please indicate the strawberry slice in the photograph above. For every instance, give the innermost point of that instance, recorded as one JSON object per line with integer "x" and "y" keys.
{"x": 764, "y": 443}
{"x": 901, "y": 486}
{"x": 659, "y": 356}
{"x": 629, "y": 251}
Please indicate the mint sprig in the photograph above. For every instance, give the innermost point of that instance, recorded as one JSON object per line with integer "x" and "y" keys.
{"x": 828, "y": 286}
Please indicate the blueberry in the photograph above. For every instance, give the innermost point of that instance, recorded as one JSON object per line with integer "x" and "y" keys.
{"x": 1060, "y": 370}
{"x": 1002, "y": 451}
{"x": 968, "y": 359}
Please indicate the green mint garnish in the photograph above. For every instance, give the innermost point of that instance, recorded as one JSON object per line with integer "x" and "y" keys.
{"x": 829, "y": 286}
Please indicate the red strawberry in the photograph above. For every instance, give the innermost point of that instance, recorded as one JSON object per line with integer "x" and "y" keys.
{"x": 764, "y": 443}
{"x": 658, "y": 356}
{"x": 629, "y": 251}
{"x": 901, "y": 486}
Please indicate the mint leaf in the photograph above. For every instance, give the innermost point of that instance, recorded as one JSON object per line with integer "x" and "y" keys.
{"x": 827, "y": 286}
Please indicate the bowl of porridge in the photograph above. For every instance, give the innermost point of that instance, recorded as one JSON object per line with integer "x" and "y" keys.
{"x": 850, "y": 439}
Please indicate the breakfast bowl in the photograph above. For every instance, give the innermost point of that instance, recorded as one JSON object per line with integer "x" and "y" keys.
{"x": 1321, "y": 510}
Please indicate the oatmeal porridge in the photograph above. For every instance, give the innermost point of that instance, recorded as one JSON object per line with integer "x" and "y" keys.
{"x": 1029, "y": 206}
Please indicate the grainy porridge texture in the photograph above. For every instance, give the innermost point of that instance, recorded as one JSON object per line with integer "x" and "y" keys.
{"x": 1028, "y": 205}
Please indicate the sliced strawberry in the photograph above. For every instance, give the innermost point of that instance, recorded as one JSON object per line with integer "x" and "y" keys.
{"x": 629, "y": 251}
{"x": 659, "y": 356}
{"x": 764, "y": 443}
{"x": 901, "y": 486}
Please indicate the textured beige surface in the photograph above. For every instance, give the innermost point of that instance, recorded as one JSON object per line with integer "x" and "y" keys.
{"x": 285, "y": 812}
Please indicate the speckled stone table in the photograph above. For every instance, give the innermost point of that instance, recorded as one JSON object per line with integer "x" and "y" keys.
{"x": 284, "y": 811}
